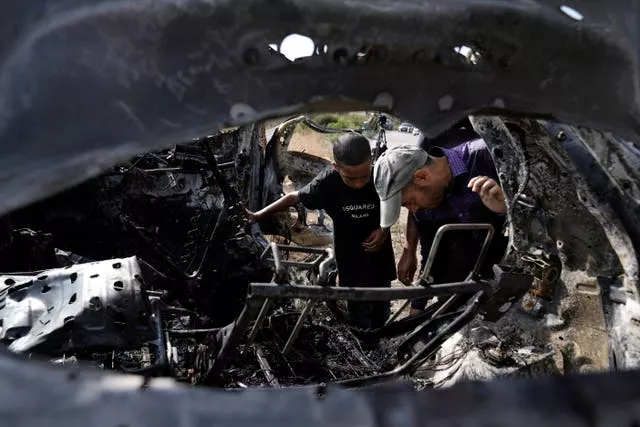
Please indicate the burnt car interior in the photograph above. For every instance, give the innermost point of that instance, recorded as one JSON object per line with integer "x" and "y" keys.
{"x": 135, "y": 135}
{"x": 173, "y": 280}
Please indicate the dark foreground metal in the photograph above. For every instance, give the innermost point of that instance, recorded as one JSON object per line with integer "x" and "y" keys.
{"x": 152, "y": 73}
{"x": 80, "y": 397}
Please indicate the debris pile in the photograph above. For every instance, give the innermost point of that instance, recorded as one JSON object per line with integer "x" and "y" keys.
{"x": 326, "y": 350}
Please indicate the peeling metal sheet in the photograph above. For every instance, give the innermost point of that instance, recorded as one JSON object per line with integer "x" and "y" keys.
{"x": 96, "y": 305}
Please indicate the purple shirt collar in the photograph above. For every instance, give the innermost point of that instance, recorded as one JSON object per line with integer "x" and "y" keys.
{"x": 456, "y": 164}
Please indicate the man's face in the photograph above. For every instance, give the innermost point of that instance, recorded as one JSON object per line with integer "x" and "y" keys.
{"x": 354, "y": 177}
{"x": 425, "y": 192}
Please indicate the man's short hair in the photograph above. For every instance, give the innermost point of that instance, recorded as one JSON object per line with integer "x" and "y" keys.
{"x": 351, "y": 149}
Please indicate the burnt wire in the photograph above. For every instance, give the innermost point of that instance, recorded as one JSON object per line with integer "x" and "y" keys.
{"x": 134, "y": 164}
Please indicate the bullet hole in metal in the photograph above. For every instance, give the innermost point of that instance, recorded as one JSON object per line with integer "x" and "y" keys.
{"x": 295, "y": 46}
{"x": 571, "y": 13}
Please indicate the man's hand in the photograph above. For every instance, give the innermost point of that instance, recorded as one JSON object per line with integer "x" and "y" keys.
{"x": 407, "y": 266}
{"x": 375, "y": 240}
{"x": 490, "y": 192}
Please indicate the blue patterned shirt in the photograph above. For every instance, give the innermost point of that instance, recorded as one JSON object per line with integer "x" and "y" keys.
{"x": 459, "y": 249}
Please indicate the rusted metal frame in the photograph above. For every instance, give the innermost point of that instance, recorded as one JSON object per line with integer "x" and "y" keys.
{"x": 267, "y": 304}
{"x": 310, "y": 304}
{"x": 266, "y": 368}
{"x": 458, "y": 227}
{"x": 324, "y": 253}
{"x": 264, "y": 310}
{"x": 424, "y": 277}
{"x": 277, "y": 261}
{"x": 228, "y": 336}
{"x": 275, "y": 249}
{"x": 321, "y": 263}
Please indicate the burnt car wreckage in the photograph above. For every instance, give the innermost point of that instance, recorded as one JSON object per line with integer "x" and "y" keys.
{"x": 155, "y": 73}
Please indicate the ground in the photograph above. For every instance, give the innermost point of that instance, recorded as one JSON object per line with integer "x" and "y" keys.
{"x": 312, "y": 143}
{"x": 318, "y": 145}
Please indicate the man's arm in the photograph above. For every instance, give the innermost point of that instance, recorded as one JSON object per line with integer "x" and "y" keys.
{"x": 282, "y": 204}
{"x": 411, "y": 234}
{"x": 408, "y": 263}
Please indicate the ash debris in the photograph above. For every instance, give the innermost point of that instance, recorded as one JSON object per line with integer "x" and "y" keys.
{"x": 326, "y": 350}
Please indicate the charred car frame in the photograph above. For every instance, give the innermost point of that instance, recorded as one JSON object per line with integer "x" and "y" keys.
{"x": 86, "y": 87}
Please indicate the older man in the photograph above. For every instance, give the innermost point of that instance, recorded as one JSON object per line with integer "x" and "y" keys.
{"x": 442, "y": 186}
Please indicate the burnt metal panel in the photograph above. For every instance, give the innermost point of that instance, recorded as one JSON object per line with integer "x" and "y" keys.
{"x": 84, "y": 85}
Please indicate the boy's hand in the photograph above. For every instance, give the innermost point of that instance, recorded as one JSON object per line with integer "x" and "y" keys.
{"x": 490, "y": 192}
{"x": 251, "y": 216}
{"x": 375, "y": 240}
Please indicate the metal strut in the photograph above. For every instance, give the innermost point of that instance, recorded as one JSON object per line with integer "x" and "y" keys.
{"x": 425, "y": 277}
{"x": 321, "y": 263}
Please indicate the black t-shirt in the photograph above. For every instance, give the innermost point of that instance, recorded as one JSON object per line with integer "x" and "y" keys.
{"x": 355, "y": 215}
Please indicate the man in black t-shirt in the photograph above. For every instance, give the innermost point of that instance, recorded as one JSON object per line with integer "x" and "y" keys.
{"x": 364, "y": 253}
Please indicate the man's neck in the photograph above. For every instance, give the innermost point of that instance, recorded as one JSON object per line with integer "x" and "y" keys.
{"x": 444, "y": 170}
